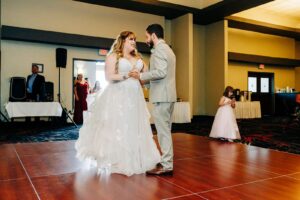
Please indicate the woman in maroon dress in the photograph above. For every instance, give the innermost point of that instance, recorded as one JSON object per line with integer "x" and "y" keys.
{"x": 81, "y": 89}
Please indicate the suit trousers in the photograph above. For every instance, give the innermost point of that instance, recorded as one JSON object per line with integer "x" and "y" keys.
{"x": 162, "y": 115}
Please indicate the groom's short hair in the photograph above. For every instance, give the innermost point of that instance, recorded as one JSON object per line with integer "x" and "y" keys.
{"x": 157, "y": 29}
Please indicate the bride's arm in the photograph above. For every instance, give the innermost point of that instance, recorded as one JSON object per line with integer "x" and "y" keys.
{"x": 144, "y": 69}
{"x": 110, "y": 65}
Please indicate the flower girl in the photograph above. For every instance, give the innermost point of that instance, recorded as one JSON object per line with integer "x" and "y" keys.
{"x": 225, "y": 125}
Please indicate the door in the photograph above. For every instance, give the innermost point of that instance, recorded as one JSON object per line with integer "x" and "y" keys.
{"x": 262, "y": 87}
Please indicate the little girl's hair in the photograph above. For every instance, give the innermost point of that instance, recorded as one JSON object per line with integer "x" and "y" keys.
{"x": 227, "y": 90}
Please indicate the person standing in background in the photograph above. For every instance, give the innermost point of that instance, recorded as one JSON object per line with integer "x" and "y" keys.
{"x": 81, "y": 90}
{"x": 35, "y": 88}
{"x": 225, "y": 126}
{"x": 34, "y": 85}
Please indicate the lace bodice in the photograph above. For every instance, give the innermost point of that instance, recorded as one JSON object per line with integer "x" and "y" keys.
{"x": 125, "y": 66}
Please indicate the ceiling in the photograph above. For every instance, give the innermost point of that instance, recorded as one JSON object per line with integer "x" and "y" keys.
{"x": 278, "y": 12}
{"x": 204, "y": 11}
{"x": 289, "y": 8}
{"x": 199, "y": 4}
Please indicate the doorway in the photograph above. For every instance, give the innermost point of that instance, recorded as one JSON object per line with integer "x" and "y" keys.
{"x": 93, "y": 72}
{"x": 261, "y": 84}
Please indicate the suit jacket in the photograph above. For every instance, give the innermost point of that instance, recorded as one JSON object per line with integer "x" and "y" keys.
{"x": 162, "y": 74}
{"x": 37, "y": 86}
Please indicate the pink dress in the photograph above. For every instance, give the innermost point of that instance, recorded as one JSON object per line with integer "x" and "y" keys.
{"x": 225, "y": 125}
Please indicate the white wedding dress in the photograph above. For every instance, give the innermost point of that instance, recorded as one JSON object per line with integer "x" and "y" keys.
{"x": 116, "y": 134}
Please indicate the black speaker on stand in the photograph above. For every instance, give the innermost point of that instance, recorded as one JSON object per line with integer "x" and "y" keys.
{"x": 17, "y": 90}
{"x": 61, "y": 62}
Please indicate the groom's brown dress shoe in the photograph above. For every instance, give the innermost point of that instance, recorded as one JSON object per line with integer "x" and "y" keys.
{"x": 159, "y": 170}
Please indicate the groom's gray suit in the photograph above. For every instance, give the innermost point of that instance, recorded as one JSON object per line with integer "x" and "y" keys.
{"x": 163, "y": 95}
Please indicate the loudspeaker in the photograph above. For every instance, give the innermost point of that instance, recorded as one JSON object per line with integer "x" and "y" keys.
{"x": 61, "y": 57}
{"x": 49, "y": 91}
{"x": 17, "y": 90}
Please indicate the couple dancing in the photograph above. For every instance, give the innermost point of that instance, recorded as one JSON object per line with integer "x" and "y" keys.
{"x": 116, "y": 134}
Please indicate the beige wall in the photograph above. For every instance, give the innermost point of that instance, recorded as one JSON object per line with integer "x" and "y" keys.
{"x": 297, "y": 78}
{"x": 297, "y": 49}
{"x": 199, "y": 88}
{"x": 238, "y": 75}
{"x": 216, "y": 64}
{"x": 62, "y": 16}
{"x": 18, "y": 57}
{"x": 182, "y": 44}
{"x": 261, "y": 44}
{"x": 250, "y": 42}
{"x": 168, "y": 31}
{"x": 75, "y": 17}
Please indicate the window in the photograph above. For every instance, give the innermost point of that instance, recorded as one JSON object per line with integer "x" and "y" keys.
{"x": 264, "y": 85}
{"x": 252, "y": 84}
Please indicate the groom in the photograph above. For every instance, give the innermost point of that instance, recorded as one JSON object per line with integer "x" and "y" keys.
{"x": 162, "y": 94}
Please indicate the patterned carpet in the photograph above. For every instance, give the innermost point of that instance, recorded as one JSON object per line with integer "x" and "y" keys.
{"x": 281, "y": 133}
{"x": 37, "y": 132}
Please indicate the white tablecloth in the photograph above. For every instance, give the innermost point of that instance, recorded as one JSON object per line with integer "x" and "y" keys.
{"x": 33, "y": 109}
{"x": 181, "y": 113}
{"x": 247, "y": 110}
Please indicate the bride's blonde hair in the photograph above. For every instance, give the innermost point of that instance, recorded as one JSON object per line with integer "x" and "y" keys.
{"x": 118, "y": 46}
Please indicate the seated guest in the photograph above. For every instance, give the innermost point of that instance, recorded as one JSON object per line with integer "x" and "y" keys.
{"x": 34, "y": 85}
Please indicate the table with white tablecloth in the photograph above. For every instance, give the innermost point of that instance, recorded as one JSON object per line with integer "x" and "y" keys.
{"x": 247, "y": 109}
{"x": 181, "y": 112}
{"x": 33, "y": 109}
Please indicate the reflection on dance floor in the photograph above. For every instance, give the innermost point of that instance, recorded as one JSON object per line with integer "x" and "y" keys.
{"x": 204, "y": 169}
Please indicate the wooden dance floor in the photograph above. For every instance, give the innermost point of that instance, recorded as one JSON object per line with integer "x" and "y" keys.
{"x": 204, "y": 169}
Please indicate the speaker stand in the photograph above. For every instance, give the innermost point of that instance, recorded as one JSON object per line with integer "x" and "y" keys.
{"x": 3, "y": 116}
{"x": 58, "y": 95}
{"x": 59, "y": 100}
{"x": 68, "y": 114}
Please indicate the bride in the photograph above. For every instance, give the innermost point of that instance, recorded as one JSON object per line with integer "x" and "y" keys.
{"x": 116, "y": 134}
